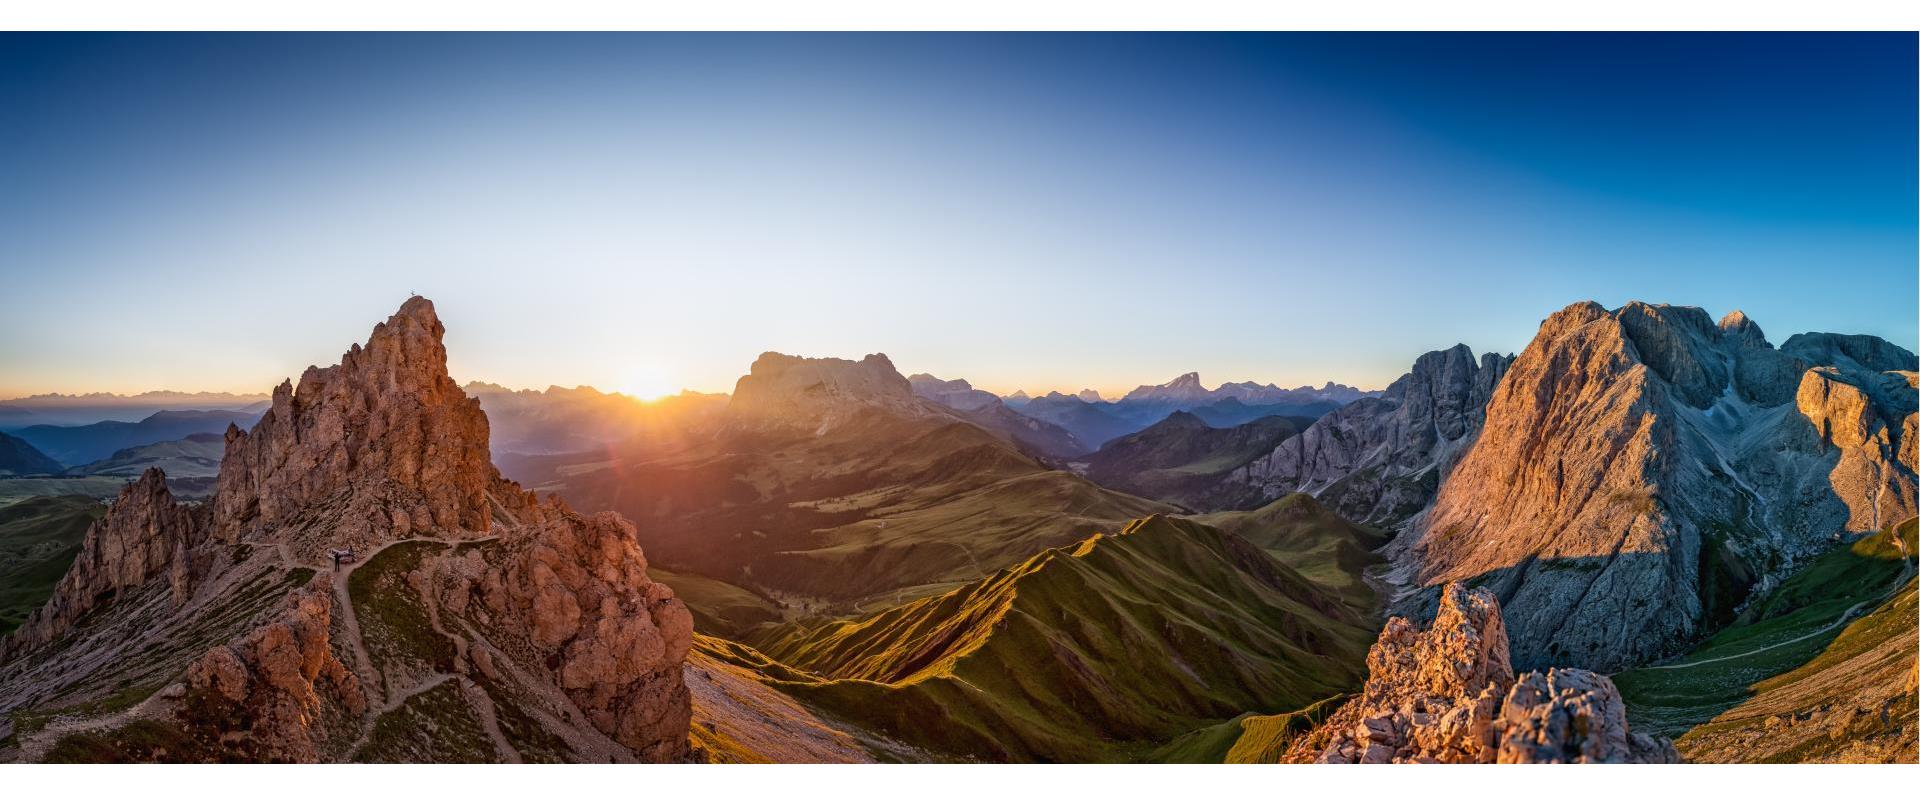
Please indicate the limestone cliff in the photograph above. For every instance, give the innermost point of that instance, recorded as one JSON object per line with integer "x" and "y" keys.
{"x": 1642, "y": 470}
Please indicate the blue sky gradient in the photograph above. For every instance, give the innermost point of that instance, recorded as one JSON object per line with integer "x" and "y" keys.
{"x": 650, "y": 212}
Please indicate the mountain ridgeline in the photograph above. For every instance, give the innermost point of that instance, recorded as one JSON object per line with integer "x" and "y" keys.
{"x": 893, "y": 568}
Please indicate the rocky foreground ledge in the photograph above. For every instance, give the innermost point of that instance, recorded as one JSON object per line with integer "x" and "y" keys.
{"x": 1449, "y": 694}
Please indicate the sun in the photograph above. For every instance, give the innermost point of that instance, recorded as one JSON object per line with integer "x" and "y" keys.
{"x": 647, "y": 383}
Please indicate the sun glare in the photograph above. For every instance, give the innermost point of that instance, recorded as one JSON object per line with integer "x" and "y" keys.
{"x": 648, "y": 383}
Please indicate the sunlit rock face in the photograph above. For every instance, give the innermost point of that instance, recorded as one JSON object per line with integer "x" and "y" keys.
{"x": 1643, "y": 470}
{"x": 1449, "y": 694}
{"x": 385, "y": 443}
{"x": 793, "y": 391}
{"x": 231, "y": 612}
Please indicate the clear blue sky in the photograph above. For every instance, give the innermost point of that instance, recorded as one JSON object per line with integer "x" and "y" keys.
{"x": 651, "y": 212}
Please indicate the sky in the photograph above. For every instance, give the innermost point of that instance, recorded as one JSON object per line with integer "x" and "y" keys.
{"x": 647, "y": 213}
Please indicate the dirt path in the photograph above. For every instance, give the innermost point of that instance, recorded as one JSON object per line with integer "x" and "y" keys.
{"x": 1841, "y": 621}
{"x": 36, "y": 746}
{"x": 399, "y": 699}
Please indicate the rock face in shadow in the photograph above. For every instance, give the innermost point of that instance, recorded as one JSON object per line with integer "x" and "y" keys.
{"x": 384, "y": 439}
{"x": 1643, "y": 470}
{"x": 144, "y": 537}
{"x": 1449, "y": 694}
{"x": 1378, "y": 460}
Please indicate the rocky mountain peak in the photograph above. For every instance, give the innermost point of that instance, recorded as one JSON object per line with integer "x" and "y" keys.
{"x": 144, "y": 537}
{"x": 1185, "y": 388}
{"x": 1738, "y": 327}
{"x": 1090, "y": 396}
{"x": 1449, "y": 694}
{"x": 386, "y": 425}
{"x": 376, "y": 449}
{"x": 1645, "y": 435}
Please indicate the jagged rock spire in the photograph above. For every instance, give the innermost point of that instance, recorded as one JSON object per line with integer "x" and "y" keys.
{"x": 385, "y": 438}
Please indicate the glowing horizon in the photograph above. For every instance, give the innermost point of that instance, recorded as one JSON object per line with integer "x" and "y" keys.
{"x": 651, "y": 212}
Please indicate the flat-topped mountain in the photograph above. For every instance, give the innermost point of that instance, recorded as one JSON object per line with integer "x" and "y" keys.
{"x": 782, "y": 389}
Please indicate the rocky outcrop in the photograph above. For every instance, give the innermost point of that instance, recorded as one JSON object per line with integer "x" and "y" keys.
{"x": 144, "y": 537}
{"x": 574, "y": 592}
{"x": 1641, "y": 471}
{"x": 1449, "y": 694}
{"x": 382, "y": 445}
{"x": 1378, "y": 460}
{"x": 266, "y": 693}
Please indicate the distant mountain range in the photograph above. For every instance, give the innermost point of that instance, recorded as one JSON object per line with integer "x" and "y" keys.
{"x": 58, "y": 409}
{"x": 1093, "y": 422}
{"x": 77, "y": 445}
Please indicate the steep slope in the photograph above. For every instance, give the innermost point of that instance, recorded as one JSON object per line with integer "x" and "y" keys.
{"x": 1819, "y": 670}
{"x": 476, "y": 623}
{"x": 831, "y": 487}
{"x": 1311, "y": 539}
{"x": 18, "y": 457}
{"x": 1652, "y": 469}
{"x": 1097, "y": 651}
{"x": 1379, "y": 459}
{"x": 84, "y": 444}
{"x": 1182, "y": 459}
{"x": 39, "y": 538}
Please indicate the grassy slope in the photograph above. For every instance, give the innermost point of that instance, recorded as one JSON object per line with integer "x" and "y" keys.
{"x": 197, "y": 456}
{"x": 881, "y": 510}
{"x": 1103, "y": 650}
{"x": 1181, "y": 459}
{"x": 1709, "y": 699}
{"x": 39, "y": 538}
{"x": 719, "y": 608}
{"x": 13, "y": 490}
{"x": 1315, "y": 541}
